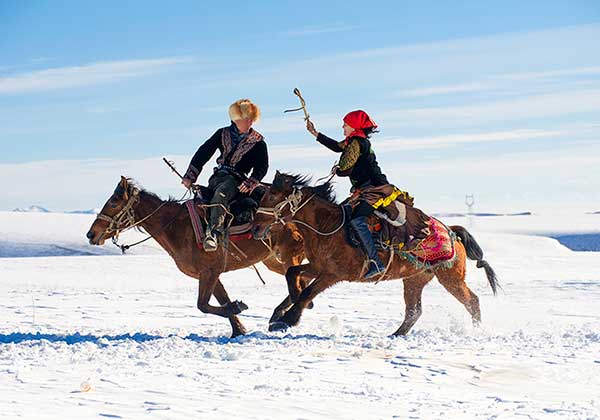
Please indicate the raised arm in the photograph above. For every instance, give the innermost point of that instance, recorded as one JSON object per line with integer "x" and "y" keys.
{"x": 328, "y": 142}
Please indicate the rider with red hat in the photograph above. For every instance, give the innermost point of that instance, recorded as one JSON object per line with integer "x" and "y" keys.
{"x": 370, "y": 187}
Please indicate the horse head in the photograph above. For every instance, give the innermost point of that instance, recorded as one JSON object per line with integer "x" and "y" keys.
{"x": 116, "y": 214}
{"x": 271, "y": 211}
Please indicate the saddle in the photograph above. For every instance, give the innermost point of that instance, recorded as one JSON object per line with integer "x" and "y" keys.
{"x": 243, "y": 208}
{"x": 375, "y": 226}
{"x": 427, "y": 247}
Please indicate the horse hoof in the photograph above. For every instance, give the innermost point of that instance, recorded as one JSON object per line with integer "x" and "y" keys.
{"x": 239, "y": 332}
{"x": 276, "y": 317}
{"x": 278, "y": 326}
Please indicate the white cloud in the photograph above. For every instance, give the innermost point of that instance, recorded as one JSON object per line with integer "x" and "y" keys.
{"x": 522, "y": 108}
{"x": 474, "y": 114}
{"x": 442, "y": 90}
{"x": 90, "y": 74}
{"x": 549, "y": 174}
{"x": 515, "y": 82}
{"x": 411, "y": 143}
{"x": 581, "y": 71}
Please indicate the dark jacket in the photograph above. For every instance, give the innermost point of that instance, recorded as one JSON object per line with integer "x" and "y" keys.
{"x": 358, "y": 161}
{"x": 255, "y": 158}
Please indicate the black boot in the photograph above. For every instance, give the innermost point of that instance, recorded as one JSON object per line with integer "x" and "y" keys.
{"x": 360, "y": 226}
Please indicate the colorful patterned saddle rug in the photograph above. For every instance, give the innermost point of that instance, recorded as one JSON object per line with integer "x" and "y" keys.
{"x": 436, "y": 248}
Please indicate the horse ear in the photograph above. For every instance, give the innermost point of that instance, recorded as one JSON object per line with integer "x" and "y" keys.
{"x": 124, "y": 184}
{"x": 277, "y": 181}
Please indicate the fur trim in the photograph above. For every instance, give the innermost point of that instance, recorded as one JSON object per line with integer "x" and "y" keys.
{"x": 244, "y": 108}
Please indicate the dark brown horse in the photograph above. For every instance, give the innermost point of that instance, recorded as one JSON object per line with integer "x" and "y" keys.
{"x": 331, "y": 260}
{"x": 169, "y": 224}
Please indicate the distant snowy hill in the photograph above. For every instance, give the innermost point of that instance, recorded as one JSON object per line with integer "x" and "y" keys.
{"x": 37, "y": 234}
{"x": 40, "y": 209}
{"x": 90, "y": 211}
{"x": 525, "y": 213}
{"x": 32, "y": 209}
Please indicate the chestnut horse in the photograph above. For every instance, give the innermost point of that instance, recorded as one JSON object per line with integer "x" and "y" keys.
{"x": 169, "y": 224}
{"x": 331, "y": 259}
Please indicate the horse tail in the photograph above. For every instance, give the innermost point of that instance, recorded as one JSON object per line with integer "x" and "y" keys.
{"x": 474, "y": 252}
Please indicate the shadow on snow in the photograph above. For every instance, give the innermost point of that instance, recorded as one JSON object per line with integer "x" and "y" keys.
{"x": 105, "y": 340}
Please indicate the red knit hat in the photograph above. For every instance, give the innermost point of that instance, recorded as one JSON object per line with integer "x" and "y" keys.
{"x": 359, "y": 120}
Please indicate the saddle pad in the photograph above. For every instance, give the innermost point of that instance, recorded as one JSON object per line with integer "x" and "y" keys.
{"x": 239, "y": 230}
{"x": 235, "y": 233}
{"x": 437, "y": 247}
{"x": 196, "y": 222}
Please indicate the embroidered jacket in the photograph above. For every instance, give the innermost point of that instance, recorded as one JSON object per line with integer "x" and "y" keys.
{"x": 357, "y": 161}
{"x": 250, "y": 154}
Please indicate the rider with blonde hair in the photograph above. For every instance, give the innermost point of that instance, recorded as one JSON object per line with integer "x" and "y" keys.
{"x": 243, "y": 163}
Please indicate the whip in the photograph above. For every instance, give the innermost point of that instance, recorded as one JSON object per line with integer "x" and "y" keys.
{"x": 302, "y": 105}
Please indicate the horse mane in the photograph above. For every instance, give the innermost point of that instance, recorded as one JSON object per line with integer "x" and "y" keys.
{"x": 324, "y": 191}
{"x": 133, "y": 184}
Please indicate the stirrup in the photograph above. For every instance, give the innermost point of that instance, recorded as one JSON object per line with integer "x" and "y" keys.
{"x": 210, "y": 242}
{"x": 375, "y": 269}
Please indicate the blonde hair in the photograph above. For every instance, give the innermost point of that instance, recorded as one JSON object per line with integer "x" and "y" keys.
{"x": 244, "y": 108}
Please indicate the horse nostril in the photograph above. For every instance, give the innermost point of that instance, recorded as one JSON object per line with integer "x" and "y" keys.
{"x": 90, "y": 235}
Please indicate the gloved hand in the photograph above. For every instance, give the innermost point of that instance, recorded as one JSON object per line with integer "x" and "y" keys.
{"x": 248, "y": 185}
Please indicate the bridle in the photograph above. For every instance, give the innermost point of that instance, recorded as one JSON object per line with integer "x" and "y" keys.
{"x": 125, "y": 220}
{"x": 121, "y": 221}
{"x": 294, "y": 202}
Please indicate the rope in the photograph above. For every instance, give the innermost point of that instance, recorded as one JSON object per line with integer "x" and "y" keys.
{"x": 332, "y": 173}
{"x": 293, "y": 201}
{"x": 387, "y": 267}
{"x": 258, "y": 274}
{"x": 318, "y": 231}
{"x": 127, "y": 211}
{"x": 150, "y": 236}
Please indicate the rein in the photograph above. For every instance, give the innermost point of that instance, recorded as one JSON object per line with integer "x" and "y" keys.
{"x": 294, "y": 201}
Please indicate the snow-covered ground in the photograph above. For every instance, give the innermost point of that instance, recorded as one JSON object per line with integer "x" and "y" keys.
{"x": 93, "y": 334}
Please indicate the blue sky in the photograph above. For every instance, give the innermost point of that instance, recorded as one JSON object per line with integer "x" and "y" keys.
{"x": 499, "y": 99}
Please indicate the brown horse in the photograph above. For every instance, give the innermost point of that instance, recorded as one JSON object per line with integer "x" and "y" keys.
{"x": 169, "y": 224}
{"x": 331, "y": 260}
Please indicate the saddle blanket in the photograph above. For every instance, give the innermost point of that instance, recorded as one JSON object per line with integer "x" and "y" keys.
{"x": 437, "y": 247}
{"x": 234, "y": 233}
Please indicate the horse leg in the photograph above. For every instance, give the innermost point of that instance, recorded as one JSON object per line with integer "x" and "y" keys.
{"x": 292, "y": 316}
{"x": 205, "y": 291}
{"x": 293, "y": 279}
{"x": 236, "y": 325}
{"x": 413, "y": 289}
{"x": 303, "y": 282}
{"x": 297, "y": 281}
{"x": 280, "y": 309}
{"x": 453, "y": 280}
